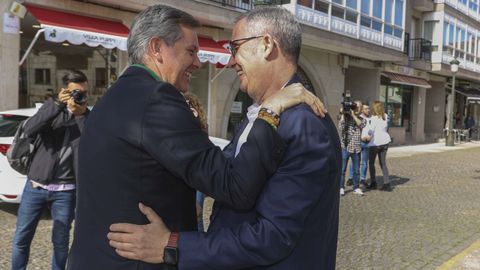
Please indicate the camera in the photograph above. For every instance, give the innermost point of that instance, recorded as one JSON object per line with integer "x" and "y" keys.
{"x": 347, "y": 103}
{"x": 79, "y": 96}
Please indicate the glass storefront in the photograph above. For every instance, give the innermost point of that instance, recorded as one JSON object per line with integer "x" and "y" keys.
{"x": 397, "y": 100}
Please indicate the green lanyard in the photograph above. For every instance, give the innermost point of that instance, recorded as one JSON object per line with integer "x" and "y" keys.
{"x": 153, "y": 74}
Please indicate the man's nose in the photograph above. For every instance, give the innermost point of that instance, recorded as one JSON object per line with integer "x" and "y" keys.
{"x": 231, "y": 62}
{"x": 196, "y": 62}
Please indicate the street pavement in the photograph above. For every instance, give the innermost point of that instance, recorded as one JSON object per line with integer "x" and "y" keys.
{"x": 430, "y": 220}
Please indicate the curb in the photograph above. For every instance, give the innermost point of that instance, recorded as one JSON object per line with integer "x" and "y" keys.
{"x": 459, "y": 257}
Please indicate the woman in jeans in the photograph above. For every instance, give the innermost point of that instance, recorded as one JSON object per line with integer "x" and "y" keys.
{"x": 379, "y": 145}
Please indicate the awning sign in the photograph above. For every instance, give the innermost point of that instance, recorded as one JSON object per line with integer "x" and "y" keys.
{"x": 92, "y": 39}
{"x": 213, "y": 57}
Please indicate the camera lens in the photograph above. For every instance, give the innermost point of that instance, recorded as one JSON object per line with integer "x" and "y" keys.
{"x": 79, "y": 96}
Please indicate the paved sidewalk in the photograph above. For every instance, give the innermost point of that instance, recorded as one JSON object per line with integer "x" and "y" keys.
{"x": 411, "y": 150}
{"x": 469, "y": 258}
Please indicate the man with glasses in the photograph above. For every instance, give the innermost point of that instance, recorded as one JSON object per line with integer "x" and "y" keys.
{"x": 142, "y": 143}
{"x": 294, "y": 223}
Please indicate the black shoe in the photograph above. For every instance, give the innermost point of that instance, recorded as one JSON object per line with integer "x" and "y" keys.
{"x": 372, "y": 185}
{"x": 386, "y": 187}
{"x": 349, "y": 182}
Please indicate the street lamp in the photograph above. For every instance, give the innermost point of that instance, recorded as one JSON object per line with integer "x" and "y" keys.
{"x": 450, "y": 141}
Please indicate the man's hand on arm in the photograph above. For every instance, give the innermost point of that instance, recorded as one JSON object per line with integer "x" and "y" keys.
{"x": 141, "y": 242}
{"x": 292, "y": 95}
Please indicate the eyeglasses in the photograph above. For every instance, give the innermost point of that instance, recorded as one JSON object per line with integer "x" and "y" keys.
{"x": 234, "y": 45}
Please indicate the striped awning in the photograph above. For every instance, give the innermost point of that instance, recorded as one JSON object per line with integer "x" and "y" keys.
{"x": 396, "y": 78}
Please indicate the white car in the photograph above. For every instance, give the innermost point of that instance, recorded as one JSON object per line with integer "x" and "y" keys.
{"x": 12, "y": 182}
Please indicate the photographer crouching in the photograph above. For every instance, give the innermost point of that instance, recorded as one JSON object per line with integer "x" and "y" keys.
{"x": 351, "y": 125}
{"x": 51, "y": 181}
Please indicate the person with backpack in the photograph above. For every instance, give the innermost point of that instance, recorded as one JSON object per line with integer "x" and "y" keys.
{"x": 56, "y": 130}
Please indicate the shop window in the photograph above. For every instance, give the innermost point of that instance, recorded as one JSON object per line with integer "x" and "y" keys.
{"x": 321, "y": 6}
{"x": 397, "y": 102}
{"x": 42, "y": 76}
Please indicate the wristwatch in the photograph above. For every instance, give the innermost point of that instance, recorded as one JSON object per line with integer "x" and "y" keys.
{"x": 170, "y": 253}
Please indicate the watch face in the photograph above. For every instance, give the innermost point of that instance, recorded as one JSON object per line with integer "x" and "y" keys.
{"x": 170, "y": 255}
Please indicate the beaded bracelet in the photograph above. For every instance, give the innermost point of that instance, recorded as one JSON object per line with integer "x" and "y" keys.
{"x": 269, "y": 116}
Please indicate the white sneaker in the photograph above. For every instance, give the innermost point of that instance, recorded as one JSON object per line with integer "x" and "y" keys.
{"x": 342, "y": 191}
{"x": 358, "y": 191}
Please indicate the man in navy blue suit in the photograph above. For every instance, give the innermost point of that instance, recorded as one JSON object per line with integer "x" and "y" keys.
{"x": 294, "y": 223}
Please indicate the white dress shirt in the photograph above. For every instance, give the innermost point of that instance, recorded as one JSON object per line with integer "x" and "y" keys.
{"x": 252, "y": 114}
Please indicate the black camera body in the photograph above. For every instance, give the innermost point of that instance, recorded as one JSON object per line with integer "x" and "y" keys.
{"x": 347, "y": 103}
{"x": 79, "y": 96}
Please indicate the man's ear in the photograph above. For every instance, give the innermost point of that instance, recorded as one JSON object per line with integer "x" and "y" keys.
{"x": 155, "y": 46}
{"x": 268, "y": 45}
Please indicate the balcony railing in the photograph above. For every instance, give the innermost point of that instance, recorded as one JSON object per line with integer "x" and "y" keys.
{"x": 240, "y": 4}
{"x": 419, "y": 49}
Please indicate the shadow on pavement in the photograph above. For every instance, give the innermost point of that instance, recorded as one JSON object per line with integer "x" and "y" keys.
{"x": 398, "y": 180}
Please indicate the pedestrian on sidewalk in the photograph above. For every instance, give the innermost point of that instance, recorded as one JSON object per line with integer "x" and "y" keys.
{"x": 351, "y": 125}
{"x": 378, "y": 146}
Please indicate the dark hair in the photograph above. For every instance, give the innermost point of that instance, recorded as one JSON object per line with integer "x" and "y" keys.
{"x": 74, "y": 76}
{"x": 156, "y": 21}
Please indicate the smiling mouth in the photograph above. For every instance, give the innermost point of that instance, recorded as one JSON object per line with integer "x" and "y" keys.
{"x": 188, "y": 74}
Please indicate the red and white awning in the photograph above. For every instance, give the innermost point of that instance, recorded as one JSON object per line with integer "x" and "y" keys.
{"x": 213, "y": 52}
{"x": 76, "y": 29}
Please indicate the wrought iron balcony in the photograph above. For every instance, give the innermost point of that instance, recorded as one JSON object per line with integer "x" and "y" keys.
{"x": 240, "y": 4}
{"x": 419, "y": 49}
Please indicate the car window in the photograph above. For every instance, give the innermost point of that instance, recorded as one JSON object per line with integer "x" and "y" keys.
{"x": 9, "y": 124}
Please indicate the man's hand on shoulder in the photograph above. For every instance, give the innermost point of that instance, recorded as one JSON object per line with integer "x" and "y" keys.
{"x": 292, "y": 95}
{"x": 141, "y": 242}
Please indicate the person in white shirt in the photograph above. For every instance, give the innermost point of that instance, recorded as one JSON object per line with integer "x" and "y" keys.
{"x": 378, "y": 146}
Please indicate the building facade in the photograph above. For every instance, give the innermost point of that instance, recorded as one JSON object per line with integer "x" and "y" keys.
{"x": 386, "y": 50}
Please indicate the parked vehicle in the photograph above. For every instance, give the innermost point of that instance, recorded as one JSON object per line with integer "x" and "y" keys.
{"x": 12, "y": 182}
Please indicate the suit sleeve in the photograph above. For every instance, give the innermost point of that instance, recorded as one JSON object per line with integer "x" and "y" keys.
{"x": 282, "y": 208}
{"x": 173, "y": 136}
{"x": 43, "y": 118}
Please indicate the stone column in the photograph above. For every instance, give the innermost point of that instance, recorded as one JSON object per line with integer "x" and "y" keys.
{"x": 9, "y": 59}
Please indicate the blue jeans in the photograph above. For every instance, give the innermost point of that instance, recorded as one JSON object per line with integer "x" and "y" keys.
{"x": 356, "y": 163}
{"x": 200, "y": 197}
{"x": 363, "y": 163}
{"x": 62, "y": 209}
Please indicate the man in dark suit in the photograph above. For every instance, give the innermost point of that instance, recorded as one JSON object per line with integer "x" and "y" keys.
{"x": 294, "y": 224}
{"x": 143, "y": 144}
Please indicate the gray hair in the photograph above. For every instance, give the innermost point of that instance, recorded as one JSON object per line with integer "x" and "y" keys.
{"x": 156, "y": 21}
{"x": 281, "y": 24}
